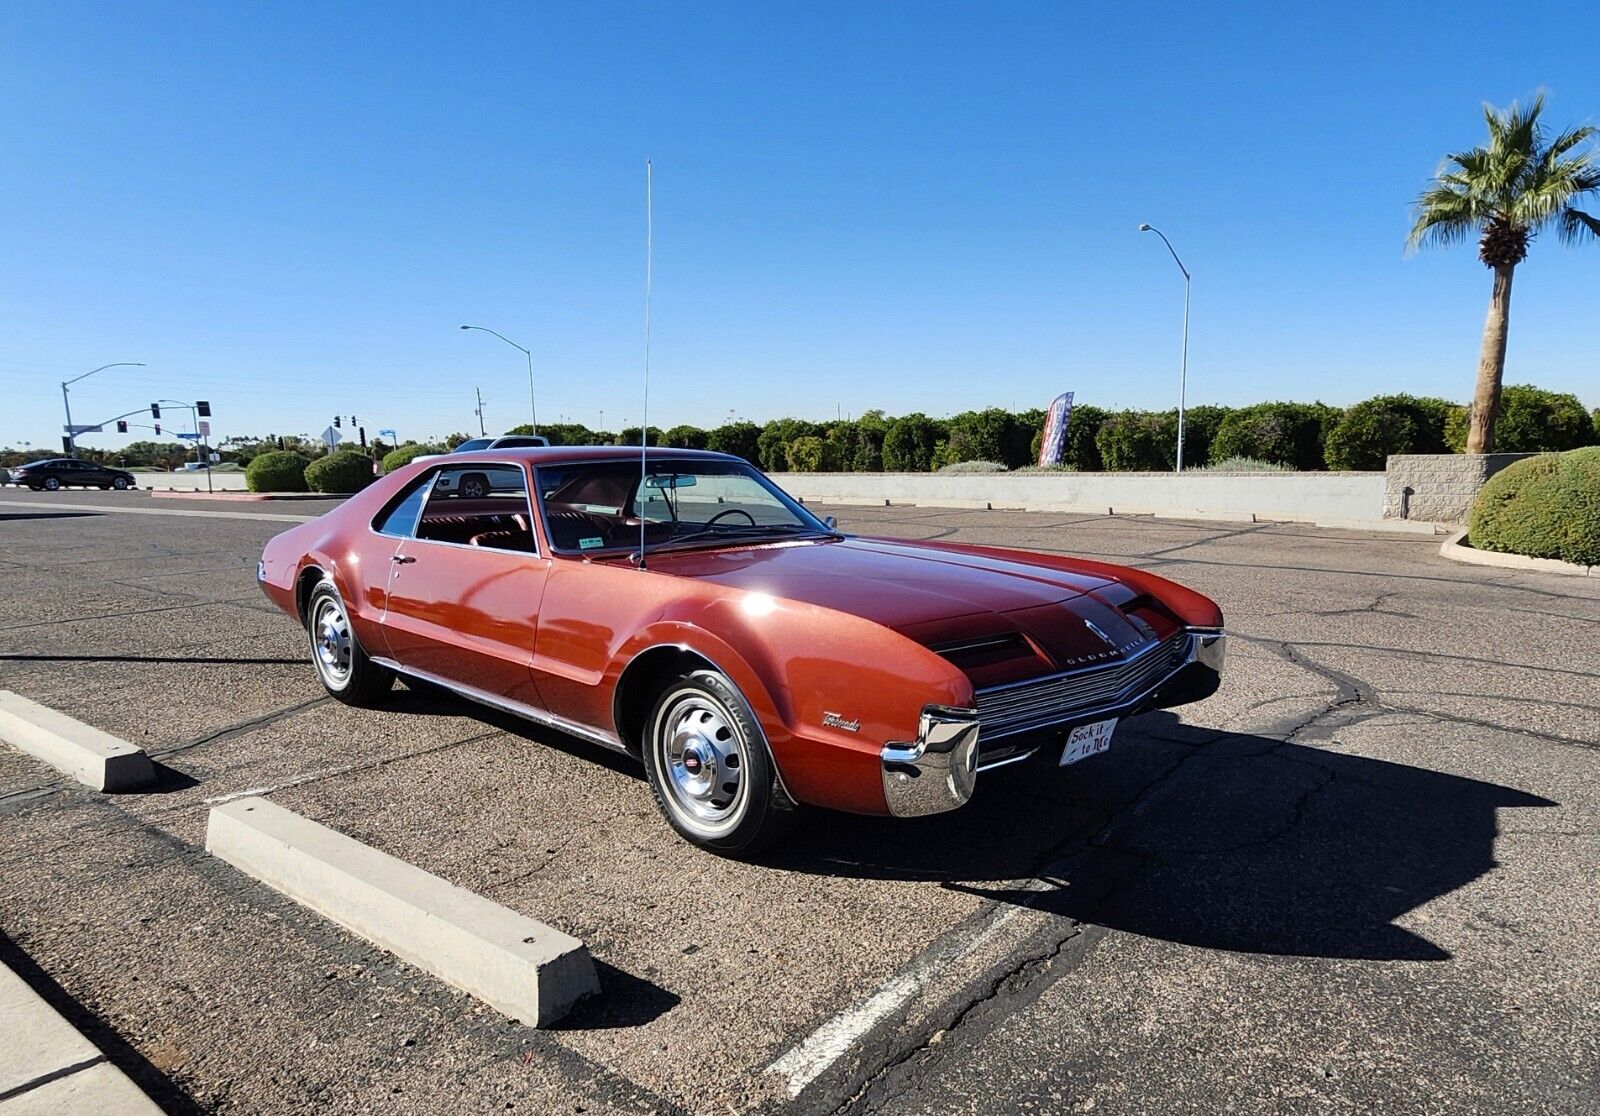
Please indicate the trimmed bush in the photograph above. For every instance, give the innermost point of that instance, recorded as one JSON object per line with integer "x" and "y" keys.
{"x": 910, "y": 443}
{"x": 1242, "y": 465}
{"x": 1139, "y": 441}
{"x": 685, "y": 437}
{"x": 988, "y": 435}
{"x": 974, "y": 467}
{"x": 810, "y": 454}
{"x": 399, "y": 458}
{"x": 1283, "y": 433}
{"x": 1373, "y": 429}
{"x": 739, "y": 438}
{"x": 1532, "y": 420}
{"x": 773, "y": 443}
{"x": 341, "y": 472}
{"x": 277, "y": 471}
{"x": 1545, "y": 507}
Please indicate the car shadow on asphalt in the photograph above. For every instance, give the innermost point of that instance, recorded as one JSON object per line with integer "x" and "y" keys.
{"x": 1243, "y": 843}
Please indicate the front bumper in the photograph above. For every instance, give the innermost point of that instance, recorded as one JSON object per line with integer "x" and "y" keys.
{"x": 937, "y": 771}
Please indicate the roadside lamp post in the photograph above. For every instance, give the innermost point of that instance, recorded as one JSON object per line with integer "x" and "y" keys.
{"x": 1183, "y": 367}
{"x": 533, "y": 407}
{"x": 72, "y": 445}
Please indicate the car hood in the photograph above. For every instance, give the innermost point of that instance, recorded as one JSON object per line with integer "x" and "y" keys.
{"x": 932, "y": 595}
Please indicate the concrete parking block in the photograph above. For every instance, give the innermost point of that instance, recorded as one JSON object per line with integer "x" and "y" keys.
{"x": 47, "y": 1066}
{"x": 522, "y": 967}
{"x": 95, "y": 758}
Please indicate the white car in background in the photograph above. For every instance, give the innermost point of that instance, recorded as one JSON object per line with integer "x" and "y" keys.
{"x": 504, "y": 441}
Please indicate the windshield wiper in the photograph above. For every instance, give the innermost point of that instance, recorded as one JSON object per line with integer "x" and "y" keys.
{"x": 746, "y": 531}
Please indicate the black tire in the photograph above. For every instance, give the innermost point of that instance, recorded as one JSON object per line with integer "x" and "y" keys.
{"x": 119, "y": 483}
{"x": 745, "y": 809}
{"x": 105, "y": 488}
{"x": 342, "y": 664}
{"x": 51, "y": 484}
{"x": 33, "y": 487}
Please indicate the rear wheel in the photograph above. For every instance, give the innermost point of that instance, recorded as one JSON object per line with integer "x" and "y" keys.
{"x": 342, "y": 664}
{"x": 51, "y": 484}
{"x": 709, "y": 768}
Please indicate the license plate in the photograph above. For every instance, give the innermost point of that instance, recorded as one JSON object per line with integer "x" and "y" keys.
{"x": 1088, "y": 740}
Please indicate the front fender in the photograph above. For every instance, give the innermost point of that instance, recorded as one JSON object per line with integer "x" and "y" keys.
{"x": 829, "y": 689}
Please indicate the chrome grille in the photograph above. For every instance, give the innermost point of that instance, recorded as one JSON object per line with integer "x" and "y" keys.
{"x": 1059, "y": 698}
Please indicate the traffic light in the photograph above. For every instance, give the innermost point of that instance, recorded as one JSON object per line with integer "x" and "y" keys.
{"x": 363, "y": 433}
{"x": 155, "y": 410}
{"x": 352, "y": 420}
{"x": 203, "y": 407}
{"x": 158, "y": 428}
{"x": 122, "y": 426}
{"x": 336, "y": 422}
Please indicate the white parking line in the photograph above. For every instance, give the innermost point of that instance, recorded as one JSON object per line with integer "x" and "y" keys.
{"x": 804, "y": 1063}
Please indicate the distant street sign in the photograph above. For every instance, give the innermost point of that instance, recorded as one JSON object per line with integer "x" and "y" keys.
{"x": 189, "y": 437}
{"x": 79, "y": 428}
{"x": 390, "y": 433}
{"x": 332, "y": 437}
{"x": 205, "y": 429}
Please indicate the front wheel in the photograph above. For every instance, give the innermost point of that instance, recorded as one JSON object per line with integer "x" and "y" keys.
{"x": 709, "y": 768}
{"x": 119, "y": 483}
{"x": 342, "y": 664}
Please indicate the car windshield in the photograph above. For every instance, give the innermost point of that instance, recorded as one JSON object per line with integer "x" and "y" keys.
{"x": 593, "y": 506}
{"x": 473, "y": 444}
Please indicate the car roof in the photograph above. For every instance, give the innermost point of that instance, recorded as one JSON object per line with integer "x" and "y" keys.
{"x": 561, "y": 455}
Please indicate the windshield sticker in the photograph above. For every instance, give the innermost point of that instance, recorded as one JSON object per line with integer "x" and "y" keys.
{"x": 590, "y": 544}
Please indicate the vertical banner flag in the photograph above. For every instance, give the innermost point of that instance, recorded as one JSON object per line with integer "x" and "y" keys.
{"x": 1054, "y": 442}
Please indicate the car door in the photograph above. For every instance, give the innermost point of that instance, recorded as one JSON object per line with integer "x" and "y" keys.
{"x": 465, "y": 582}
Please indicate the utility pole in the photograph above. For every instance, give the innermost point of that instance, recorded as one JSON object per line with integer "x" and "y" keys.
{"x": 479, "y": 412}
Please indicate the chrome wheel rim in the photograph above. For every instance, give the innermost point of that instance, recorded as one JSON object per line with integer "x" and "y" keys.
{"x": 52, "y": 484}
{"x": 331, "y": 643}
{"x": 703, "y": 759}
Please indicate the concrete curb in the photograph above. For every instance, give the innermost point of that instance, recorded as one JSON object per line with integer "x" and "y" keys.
{"x": 47, "y": 1066}
{"x": 94, "y": 758}
{"x": 1454, "y": 548}
{"x": 524, "y": 968}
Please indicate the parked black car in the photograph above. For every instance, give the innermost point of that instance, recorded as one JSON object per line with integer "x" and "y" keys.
{"x": 64, "y": 472}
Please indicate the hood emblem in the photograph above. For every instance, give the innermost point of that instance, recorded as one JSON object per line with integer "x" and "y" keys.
{"x": 1095, "y": 628}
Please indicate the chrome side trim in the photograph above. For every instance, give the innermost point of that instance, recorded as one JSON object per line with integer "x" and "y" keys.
{"x": 506, "y": 705}
{"x": 937, "y": 771}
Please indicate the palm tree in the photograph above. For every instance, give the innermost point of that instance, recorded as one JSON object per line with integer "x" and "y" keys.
{"x": 1506, "y": 193}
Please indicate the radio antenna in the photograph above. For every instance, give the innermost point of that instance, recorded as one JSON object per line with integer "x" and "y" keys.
{"x": 649, "y": 267}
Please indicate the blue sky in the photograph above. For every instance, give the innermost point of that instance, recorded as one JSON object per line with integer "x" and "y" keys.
{"x": 288, "y": 209}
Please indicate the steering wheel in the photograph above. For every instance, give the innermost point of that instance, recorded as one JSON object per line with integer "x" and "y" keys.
{"x": 729, "y": 511}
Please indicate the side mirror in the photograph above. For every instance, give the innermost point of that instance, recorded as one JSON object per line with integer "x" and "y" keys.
{"x": 830, "y": 523}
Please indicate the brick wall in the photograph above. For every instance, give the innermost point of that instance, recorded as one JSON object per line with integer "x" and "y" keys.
{"x": 1443, "y": 485}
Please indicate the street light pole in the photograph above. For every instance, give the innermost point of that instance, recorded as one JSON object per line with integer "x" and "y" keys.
{"x": 1183, "y": 367}
{"x": 72, "y": 444}
{"x": 533, "y": 407}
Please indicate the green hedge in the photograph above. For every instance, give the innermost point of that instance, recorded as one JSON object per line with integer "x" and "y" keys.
{"x": 1289, "y": 434}
{"x": 399, "y": 458}
{"x": 277, "y": 471}
{"x": 1545, "y": 507}
{"x": 1531, "y": 420}
{"x": 1372, "y": 430}
{"x": 345, "y": 471}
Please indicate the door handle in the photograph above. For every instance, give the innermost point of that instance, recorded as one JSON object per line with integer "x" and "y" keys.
{"x": 401, "y": 558}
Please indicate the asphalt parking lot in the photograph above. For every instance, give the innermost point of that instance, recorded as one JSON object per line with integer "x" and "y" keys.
{"x": 1362, "y": 876}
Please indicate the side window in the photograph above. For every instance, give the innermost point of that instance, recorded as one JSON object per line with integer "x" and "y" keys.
{"x": 401, "y": 517}
{"x": 479, "y": 505}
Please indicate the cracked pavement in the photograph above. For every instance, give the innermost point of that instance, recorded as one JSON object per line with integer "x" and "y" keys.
{"x": 1362, "y": 876}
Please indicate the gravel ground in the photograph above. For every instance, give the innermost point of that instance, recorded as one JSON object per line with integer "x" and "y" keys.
{"x": 1362, "y": 876}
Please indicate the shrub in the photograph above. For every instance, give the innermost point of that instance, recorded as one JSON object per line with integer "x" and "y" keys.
{"x": 810, "y": 454}
{"x": 1545, "y": 507}
{"x": 345, "y": 471}
{"x": 739, "y": 438}
{"x": 910, "y": 442}
{"x": 1139, "y": 441}
{"x": 1370, "y": 431}
{"x": 685, "y": 437}
{"x": 973, "y": 467}
{"x": 566, "y": 434}
{"x": 277, "y": 471}
{"x": 1242, "y": 465}
{"x": 1283, "y": 433}
{"x": 988, "y": 435}
{"x": 1531, "y": 420}
{"x": 773, "y": 444}
{"x": 399, "y": 458}
{"x": 1200, "y": 426}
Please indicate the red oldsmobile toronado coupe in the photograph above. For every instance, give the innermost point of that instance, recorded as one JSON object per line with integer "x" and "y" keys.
{"x": 684, "y": 610}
